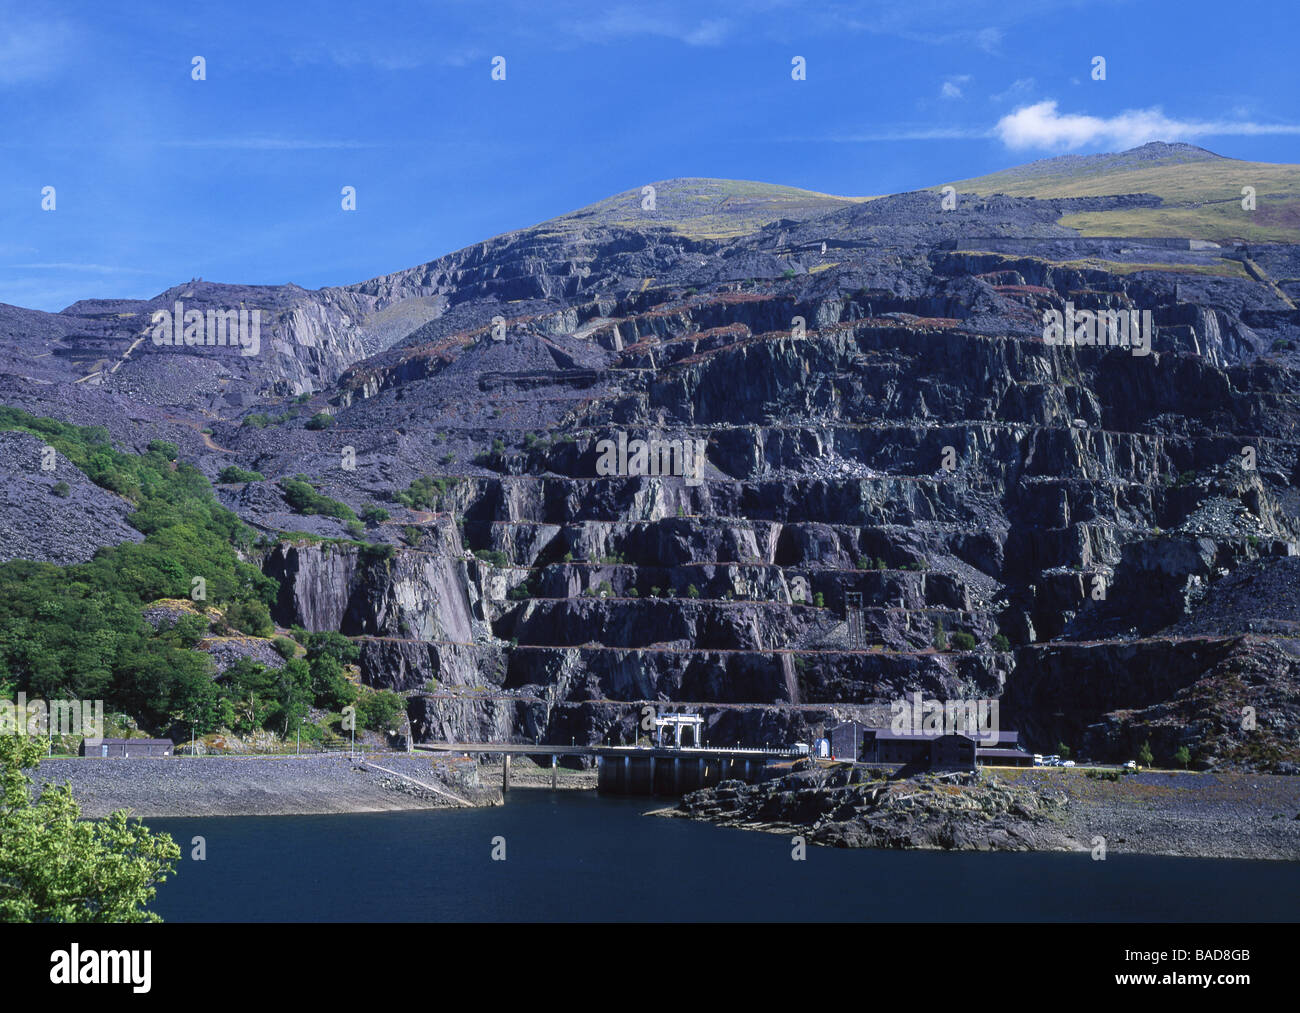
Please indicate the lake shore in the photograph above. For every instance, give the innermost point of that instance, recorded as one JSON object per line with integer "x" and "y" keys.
{"x": 268, "y": 785}
{"x": 1170, "y": 813}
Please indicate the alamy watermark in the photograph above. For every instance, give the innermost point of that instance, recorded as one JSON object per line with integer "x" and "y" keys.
{"x": 654, "y": 457}
{"x": 180, "y": 327}
{"x": 977, "y": 719}
{"x": 1117, "y": 328}
{"x": 57, "y": 717}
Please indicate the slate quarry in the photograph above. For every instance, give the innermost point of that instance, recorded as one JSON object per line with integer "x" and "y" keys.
{"x": 880, "y": 415}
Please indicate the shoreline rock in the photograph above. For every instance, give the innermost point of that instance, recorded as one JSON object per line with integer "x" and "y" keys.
{"x": 1190, "y": 815}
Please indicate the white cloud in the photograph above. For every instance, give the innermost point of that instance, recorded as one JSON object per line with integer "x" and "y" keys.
{"x": 708, "y": 33}
{"x": 1021, "y": 88}
{"x": 988, "y": 39}
{"x": 629, "y": 22}
{"x": 1041, "y": 126}
{"x": 952, "y": 86}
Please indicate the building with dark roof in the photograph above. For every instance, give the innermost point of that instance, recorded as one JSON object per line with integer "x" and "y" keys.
{"x": 929, "y": 748}
{"x": 127, "y": 747}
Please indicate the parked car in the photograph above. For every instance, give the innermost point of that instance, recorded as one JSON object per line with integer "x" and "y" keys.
{"x": 1131, "y": 765}
{"x": 1068, "y": 763}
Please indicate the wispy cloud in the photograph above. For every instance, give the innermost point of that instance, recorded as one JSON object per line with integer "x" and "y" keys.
{"x": 1041, "y": 126}
{"x": 901, "y": 134}
{"x": 264, "y": 143}
{"x": 624, "y": 22}
{"x": 87, "y": 268}
{"x": 33, "y": 47}
{"x": 952, "y": 86}
{"x": 1019, "y": 89}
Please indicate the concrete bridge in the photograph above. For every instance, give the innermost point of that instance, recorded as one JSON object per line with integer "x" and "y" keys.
{"x": 637, "y": 770}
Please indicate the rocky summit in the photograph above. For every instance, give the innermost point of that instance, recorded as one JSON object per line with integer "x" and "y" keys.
{"x": 1101, "y": 536}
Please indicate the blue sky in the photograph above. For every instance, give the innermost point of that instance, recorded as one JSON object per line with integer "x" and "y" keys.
{"x": 237, "y": 178}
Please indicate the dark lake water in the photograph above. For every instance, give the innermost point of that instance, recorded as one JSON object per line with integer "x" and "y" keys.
{"x": 575, "y": 856}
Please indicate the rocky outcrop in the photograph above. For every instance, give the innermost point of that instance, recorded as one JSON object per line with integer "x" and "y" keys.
{"x": 857, "y": 808}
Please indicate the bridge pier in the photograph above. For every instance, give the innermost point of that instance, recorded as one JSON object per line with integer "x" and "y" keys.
{"x": 652, "y": 776}
{"x": 505, "y": 773}
{"x": 554, "y": 783}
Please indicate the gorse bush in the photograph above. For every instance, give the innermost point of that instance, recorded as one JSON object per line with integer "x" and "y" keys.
{"x": 963, "y": 641}
{"x": 305, "y": 499}
{"x": 233, "y": 473}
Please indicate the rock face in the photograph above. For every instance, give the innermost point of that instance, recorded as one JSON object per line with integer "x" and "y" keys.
{"x": 56, "y": 515}
{"x": 852, "y": 808}
{"x": 880, "y": 415}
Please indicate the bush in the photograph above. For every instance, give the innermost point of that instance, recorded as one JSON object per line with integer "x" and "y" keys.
{"x": 233, "y": 473}
{"x": 330, "y": 688}
{"x": 284, "y": 647}
{"x": 380, "y": 711}
{"x": 251, "y": 617}
{"x": 62, "y": 489}
{"x": 258, "y": 420}
{"x": 692, "y": 591}
{"x": 374, "y": 515}
{"x": 963, "y": 641}
{"x": 493, "y": 557}
{"x": 303, "y": 497}
{"x": 321, "y": 420}
{"x": 1001, "y": 643}
{"x": 355, "y": 528}
{"x": 940, "y": 637}
{"x": 424, "y": 492}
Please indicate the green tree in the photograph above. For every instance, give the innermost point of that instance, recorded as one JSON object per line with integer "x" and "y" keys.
{"x": 940, "y": 637}
{"x": 293, "y": 692}
{"x": 56, "y": 867}
{"x": 380, "y": 711}
{"x": 1063, "y": 750}
{"x": 1145, "y": 759}
{"x": 1183, "y": 757}
{"x": 251, "y": 617}
{"x": 330, "y": 688}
